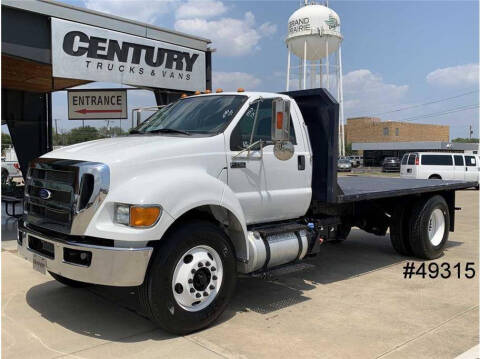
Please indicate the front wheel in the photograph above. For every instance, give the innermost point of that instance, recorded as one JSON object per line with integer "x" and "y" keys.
{"x": 191, "y": 278}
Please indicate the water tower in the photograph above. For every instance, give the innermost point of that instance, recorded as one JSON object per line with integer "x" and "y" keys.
{"x": 314, "y": 39}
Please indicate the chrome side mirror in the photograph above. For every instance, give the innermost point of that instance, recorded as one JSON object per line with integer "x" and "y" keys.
{"x": 280, "y": 120}
{"x": 283, "y": 149}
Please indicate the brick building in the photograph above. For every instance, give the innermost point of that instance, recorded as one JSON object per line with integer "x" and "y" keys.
{"x": 372, "y": 129}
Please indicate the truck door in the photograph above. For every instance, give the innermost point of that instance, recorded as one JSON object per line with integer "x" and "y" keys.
{"x": 268, "y": 189}
{"x": 471, "y": 171}
{"x": 459, "y": 167}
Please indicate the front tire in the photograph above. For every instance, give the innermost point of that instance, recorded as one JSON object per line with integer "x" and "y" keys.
{"x": 429, "y": 227}
{"x": 191, "y": 278}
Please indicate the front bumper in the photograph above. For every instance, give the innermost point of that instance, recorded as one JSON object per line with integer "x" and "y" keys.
{"x": 120, "y": 267}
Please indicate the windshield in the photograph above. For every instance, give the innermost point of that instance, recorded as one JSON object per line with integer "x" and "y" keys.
{"x": 194, "y": 115}
{"x": 344, "y": 161}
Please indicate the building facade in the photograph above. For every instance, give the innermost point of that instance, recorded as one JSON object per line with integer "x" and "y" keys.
{"x": 372, "y": 129}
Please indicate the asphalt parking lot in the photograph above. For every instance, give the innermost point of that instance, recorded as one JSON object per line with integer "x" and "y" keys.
{"x": 350, "y": 301}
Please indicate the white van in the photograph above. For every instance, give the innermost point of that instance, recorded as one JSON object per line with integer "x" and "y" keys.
{"x": 440, "y": 165}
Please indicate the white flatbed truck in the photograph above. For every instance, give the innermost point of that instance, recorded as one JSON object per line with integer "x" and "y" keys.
{"x": 211, "y": 186}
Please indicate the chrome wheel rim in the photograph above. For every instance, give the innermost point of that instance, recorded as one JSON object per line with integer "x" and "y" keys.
{"x": 436, "y": 227}
{"x": 197, "y": 278}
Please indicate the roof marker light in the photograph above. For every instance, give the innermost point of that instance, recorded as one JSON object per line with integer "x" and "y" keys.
{"x": 219, "y": 90}
{"x": 240, "y": 89}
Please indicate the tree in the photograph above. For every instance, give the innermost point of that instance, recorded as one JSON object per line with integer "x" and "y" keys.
{"x": 465, "y": 140}
{"x": 111, "y": 132}
{"x": 349, "y": 151}
{"x": 82, "y": 134}
{"x": 6, "y": 141}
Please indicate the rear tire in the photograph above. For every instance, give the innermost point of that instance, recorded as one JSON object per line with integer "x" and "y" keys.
{"x": 429, "y": 227}
{"x": 68, "y": 282}
{"x": 174, "y": 279}
{"x": 399, "y": 231}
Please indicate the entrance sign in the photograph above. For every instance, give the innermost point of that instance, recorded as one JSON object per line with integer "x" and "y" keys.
{"x": 90, "y": 53}
{"x": 97, "y": 104}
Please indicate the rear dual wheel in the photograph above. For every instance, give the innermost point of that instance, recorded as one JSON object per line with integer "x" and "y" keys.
{"x": 421, "y": 231}
{"x": 191, "y": 278}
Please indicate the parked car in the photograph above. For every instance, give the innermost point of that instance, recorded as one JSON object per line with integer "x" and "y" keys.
{"x": 10, "y": 169}
{"x": 391, "y": 164}
{"x": 212, "y": 195}
{"x": 344, "y": 165}
{"x": 440, "y": 165}
{"x": 357, "y": 161}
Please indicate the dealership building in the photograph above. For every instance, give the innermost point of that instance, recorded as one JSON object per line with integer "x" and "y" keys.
{"x": 49, "y": 46}
{"x": 372, "y": 129}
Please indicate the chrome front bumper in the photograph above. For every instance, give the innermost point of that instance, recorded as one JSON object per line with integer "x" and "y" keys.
{"x": 120, "y": 267}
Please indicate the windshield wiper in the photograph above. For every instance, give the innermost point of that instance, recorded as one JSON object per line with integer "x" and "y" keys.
{"x": 169, "y": 130}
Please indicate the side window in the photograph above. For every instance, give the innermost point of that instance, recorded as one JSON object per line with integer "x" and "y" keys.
{"x": 404, "y": 159}
{"x": 240, "y": 137}
{"x": 386, "y": 131}
{"x": 458, "y": 160}
{"x": 437, "y": 160}
{"x": 411, "y": 159}
{"x": 470, "y": 160}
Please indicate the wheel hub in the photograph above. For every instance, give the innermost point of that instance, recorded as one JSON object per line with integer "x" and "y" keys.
{"x": 201, "y": 279}
{"x": 436, "y": 227}
{"x": 197, "y": 278}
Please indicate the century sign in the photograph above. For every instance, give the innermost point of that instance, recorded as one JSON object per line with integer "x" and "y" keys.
{"x": 97, "y": 104}
{"x": 90, "y": 53}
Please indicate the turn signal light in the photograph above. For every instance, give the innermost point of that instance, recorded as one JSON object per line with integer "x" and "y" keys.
{"x": 143, "y": 216}
{"x": 279, "y": 120}
{"x": 219, "y": 91}
{"x": 240, "y": 89}
{"x": 197, "y": 92}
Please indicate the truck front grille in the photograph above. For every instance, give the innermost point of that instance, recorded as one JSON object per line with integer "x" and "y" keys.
{"x": 59, "y": 191}
{"x": 56, "y": 211}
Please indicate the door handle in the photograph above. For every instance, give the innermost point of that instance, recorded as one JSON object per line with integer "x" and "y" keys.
{"x": 238, "y": 164}
{"x": 301, "y": 162}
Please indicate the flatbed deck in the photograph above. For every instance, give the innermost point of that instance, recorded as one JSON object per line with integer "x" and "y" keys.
{"x": 359, "y": 188}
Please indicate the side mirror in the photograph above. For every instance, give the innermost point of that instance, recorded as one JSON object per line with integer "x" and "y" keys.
{"x": 280, "y": 120}
{"x": 282, "y": 149}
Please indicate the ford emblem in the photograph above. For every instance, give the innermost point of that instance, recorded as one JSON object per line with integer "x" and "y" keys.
{"x": 44, "y": 193}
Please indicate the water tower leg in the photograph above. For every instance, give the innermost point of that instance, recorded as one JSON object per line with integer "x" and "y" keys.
{"x": 305, "y": 64}
{"x": 288, "y": 70}
{"x": 340, "y": 136}
{"x": 340, "y": 86}
{"x": 327, "y": 65}
{"x": 321, "y": 74}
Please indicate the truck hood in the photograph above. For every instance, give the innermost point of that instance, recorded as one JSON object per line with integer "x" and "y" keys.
{"x": 131, "y": 149}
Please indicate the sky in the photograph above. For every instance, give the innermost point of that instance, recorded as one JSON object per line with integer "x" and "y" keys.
{"x": 396, "y": 54}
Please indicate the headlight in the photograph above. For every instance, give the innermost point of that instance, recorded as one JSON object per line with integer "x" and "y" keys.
{"x": 137, "y": 216}
{"x": 122, "y": 214}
